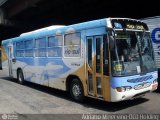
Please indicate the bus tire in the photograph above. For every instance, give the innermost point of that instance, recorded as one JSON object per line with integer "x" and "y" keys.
{"x": 20, "y": 77}
{"x": 76, "y": 90}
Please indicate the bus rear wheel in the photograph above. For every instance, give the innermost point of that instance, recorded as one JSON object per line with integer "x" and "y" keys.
{"x": 20, "y": 77}
{"x": 76, "y": 90}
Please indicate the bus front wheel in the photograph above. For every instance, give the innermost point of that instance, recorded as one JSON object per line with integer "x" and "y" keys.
{"x": 76, "y": 90}
{"x": 20, "y": 77}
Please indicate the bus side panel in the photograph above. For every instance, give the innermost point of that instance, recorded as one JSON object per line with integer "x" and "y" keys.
{"x": 36, "y": 70}
{"x": 45, "y": 71}
{"x": 61, "y": 72}
{"x": 70, "y": 66}
{"x": 50, "y": 72}
{"x": 4, "y": 58}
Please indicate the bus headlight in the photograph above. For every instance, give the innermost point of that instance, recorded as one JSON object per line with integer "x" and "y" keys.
{"x": 123, "y": 88}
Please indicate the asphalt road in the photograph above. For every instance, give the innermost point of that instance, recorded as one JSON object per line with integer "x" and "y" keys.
{"x": 32, "y": 100}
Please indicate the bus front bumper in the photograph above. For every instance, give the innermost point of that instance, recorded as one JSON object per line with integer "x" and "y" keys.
{"x": 131, "y": 94}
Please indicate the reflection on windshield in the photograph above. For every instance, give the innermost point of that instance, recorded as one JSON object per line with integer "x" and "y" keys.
{"x": 134, "y": 53}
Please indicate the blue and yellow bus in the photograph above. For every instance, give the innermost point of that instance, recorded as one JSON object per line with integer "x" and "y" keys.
{"x": 109, "y": 59}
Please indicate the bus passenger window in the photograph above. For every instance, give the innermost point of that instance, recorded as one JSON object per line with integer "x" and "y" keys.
{"x": 40, "y": 47}
{"x": 20, "y": 49}
{"x": 28, "y": 48}
{"x": 72, "y": 45}
{"x": 55, "y": 46}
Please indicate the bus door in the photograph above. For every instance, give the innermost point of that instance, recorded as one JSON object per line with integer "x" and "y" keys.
{"x": 95, "y": 65}
{"x": 10, "y": 60}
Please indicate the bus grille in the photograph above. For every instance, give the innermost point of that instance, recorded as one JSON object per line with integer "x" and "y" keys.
{"x": 141, "y": 79}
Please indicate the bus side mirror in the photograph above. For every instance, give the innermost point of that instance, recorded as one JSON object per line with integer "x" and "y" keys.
{"x": 111, "y": 42}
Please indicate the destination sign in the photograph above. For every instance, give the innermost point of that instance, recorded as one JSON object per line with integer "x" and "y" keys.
{"x": 132, "y": 26}
{"x": 128, "y": 24}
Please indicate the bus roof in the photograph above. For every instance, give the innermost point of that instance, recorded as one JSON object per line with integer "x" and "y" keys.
{"x": 43, "y": 29}
{"x": 51, "y": 30}
{"x": 59, "y": 29}
{"x": 10, "y": 40}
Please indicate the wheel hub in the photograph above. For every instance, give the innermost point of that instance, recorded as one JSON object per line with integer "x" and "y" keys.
{"x": 76, "y": 90}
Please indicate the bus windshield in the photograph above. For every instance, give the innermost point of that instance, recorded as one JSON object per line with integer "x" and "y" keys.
{"x": 132, "y": 54}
